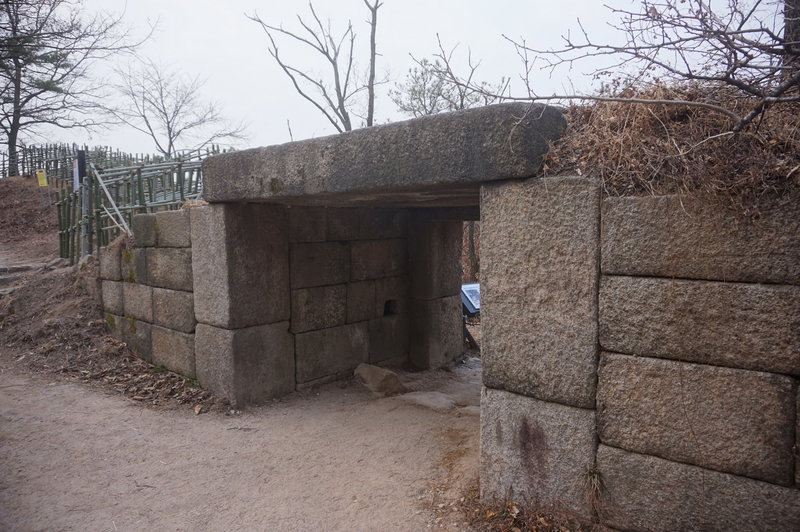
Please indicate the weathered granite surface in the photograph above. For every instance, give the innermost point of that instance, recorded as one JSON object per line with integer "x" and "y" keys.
{"x": 145, "y": 230}
{"x": 328, "y": 352}
{"x": 503, "y": 141}
{"x": 174, "y": 309}
{"x": 535, "y": 451}
{"x": 173, "y": 229}
{"x": 730, "y": 420}
{"x": 701, "y": 238}
{"x": 249, "y": 365}
{"x": 739, "y": 325}
{"x": 539, "y": 269}
{"x": 240, "y": 263}
{"x": 174, "y": 350}
{"x": 647, "y": 493}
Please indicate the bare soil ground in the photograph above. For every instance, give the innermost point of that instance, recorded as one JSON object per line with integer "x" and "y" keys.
{"x": 92, "y": 438}
{"x": 338, "y": 458}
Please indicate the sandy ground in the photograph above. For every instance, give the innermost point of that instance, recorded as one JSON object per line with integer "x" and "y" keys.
{"x": 77, "y": 455}
{"x": 338, "y": 458}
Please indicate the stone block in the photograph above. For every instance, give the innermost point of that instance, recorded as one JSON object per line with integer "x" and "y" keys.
{"x": 240, "y": 262}
{"x": 539, "y": 274}
{"x": 437, "y": 335}
{"x": 133, "y": 265}
{"x": 648, "y": 493}
{"x": 535, "y": 452}
{"x": 114, "y": 324}
{"x": 138, "y": 301}
{"x": 380, "y": 381}
{"x": 110, "y": 257}
{"x": 428, "y": 154}
{"x": 170, "y": 268}
{"x": 388, "y": 339}
{"x": 361, "y": 301}
{"x": 381, "y": 224}
{"x": 145, "y": 230}
{"x": 319, "y": 264}
{"x": 174, "y": 350}
{"x": 434, "y": 259}
{"x": 249, "y": 365}
{"x": 373, "y": 259}
{"x": 307, "y": 224}
{"x": 112, "y": 297}
{"x": 138, "y": 336}
{"x": 391, "y": 296}
{"x": 174, "y": 229}
{"x": 318, "y": 308}
{"x": 342, "y": 223}
{"x": 174, "y": 309}
{"x": 730, "y": 420}
{"x": 701, "y": 238}
{"x": 330, "y": 351}
{"x": 748, "y": 326}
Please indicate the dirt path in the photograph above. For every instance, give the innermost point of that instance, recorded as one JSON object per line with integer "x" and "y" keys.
{"x": 76, "y": 458}
{"x": 79, "y": 456}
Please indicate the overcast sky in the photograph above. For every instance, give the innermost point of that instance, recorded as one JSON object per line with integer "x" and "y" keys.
{"x": 215, "y": 40}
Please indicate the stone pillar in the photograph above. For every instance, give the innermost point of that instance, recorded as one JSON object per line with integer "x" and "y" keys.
{"x": 436, "y": 329}
{"x": 539, "y": 288}
{"x": 240, "y": 261}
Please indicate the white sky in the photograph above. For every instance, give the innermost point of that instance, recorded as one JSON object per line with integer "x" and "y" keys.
{"x": 213, "y": 38}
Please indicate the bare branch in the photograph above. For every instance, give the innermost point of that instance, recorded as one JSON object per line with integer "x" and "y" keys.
{"x": 741, "y": 46}
{"x": 168, "y": 108}
{"x": 335, "y": 94}
{"x": 48, "y": 49}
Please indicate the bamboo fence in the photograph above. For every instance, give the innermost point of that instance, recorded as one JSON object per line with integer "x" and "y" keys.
{"x": 129, "y": 190}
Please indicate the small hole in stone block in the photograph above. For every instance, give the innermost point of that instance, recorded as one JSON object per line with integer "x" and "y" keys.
{"x": 390, "y": 307}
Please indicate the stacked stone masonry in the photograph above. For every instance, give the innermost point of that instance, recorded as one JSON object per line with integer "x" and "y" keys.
{"x": 641, "y": 356}
{"x": 147, "y": 290}
{"x": 651, "y": 342}
{"x": 256, "y": 300}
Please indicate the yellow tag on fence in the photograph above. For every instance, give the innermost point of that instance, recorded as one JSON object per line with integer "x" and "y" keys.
{"x": 41, "y": 177}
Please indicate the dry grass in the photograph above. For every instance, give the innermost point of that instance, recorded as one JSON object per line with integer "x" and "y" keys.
{"x": 512, "y": 516}
{"x": 638, "y": 149}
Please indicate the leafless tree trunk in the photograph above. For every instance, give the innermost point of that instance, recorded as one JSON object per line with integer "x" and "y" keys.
{"x": 47, "y": 50}
{"x": 473, "y": 237}
{"x": 336, "y": 97}
{"x": 791, "y": 37}
{"x": 373, "y": 26}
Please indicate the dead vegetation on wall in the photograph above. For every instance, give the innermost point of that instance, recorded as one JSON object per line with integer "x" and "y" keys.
{"x": 656, "y": 149}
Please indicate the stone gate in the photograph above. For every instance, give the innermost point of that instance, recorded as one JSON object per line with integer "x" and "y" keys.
{"x": 641, "y": 355}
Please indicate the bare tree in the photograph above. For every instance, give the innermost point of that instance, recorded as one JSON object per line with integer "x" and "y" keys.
{"x": 168, "y": 107}
{"x": 791, "y": 37}
{"x": 47, "y": 49}
{"x": 748, "y": 46}
{"x": 427, "y": 91}
{"x": 337, "y": 97}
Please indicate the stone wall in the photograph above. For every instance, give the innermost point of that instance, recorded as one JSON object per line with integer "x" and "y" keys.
{"x": 147, "y": 290}
{"x": 653, "y": 343}
{"x": 257, "y": 300}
